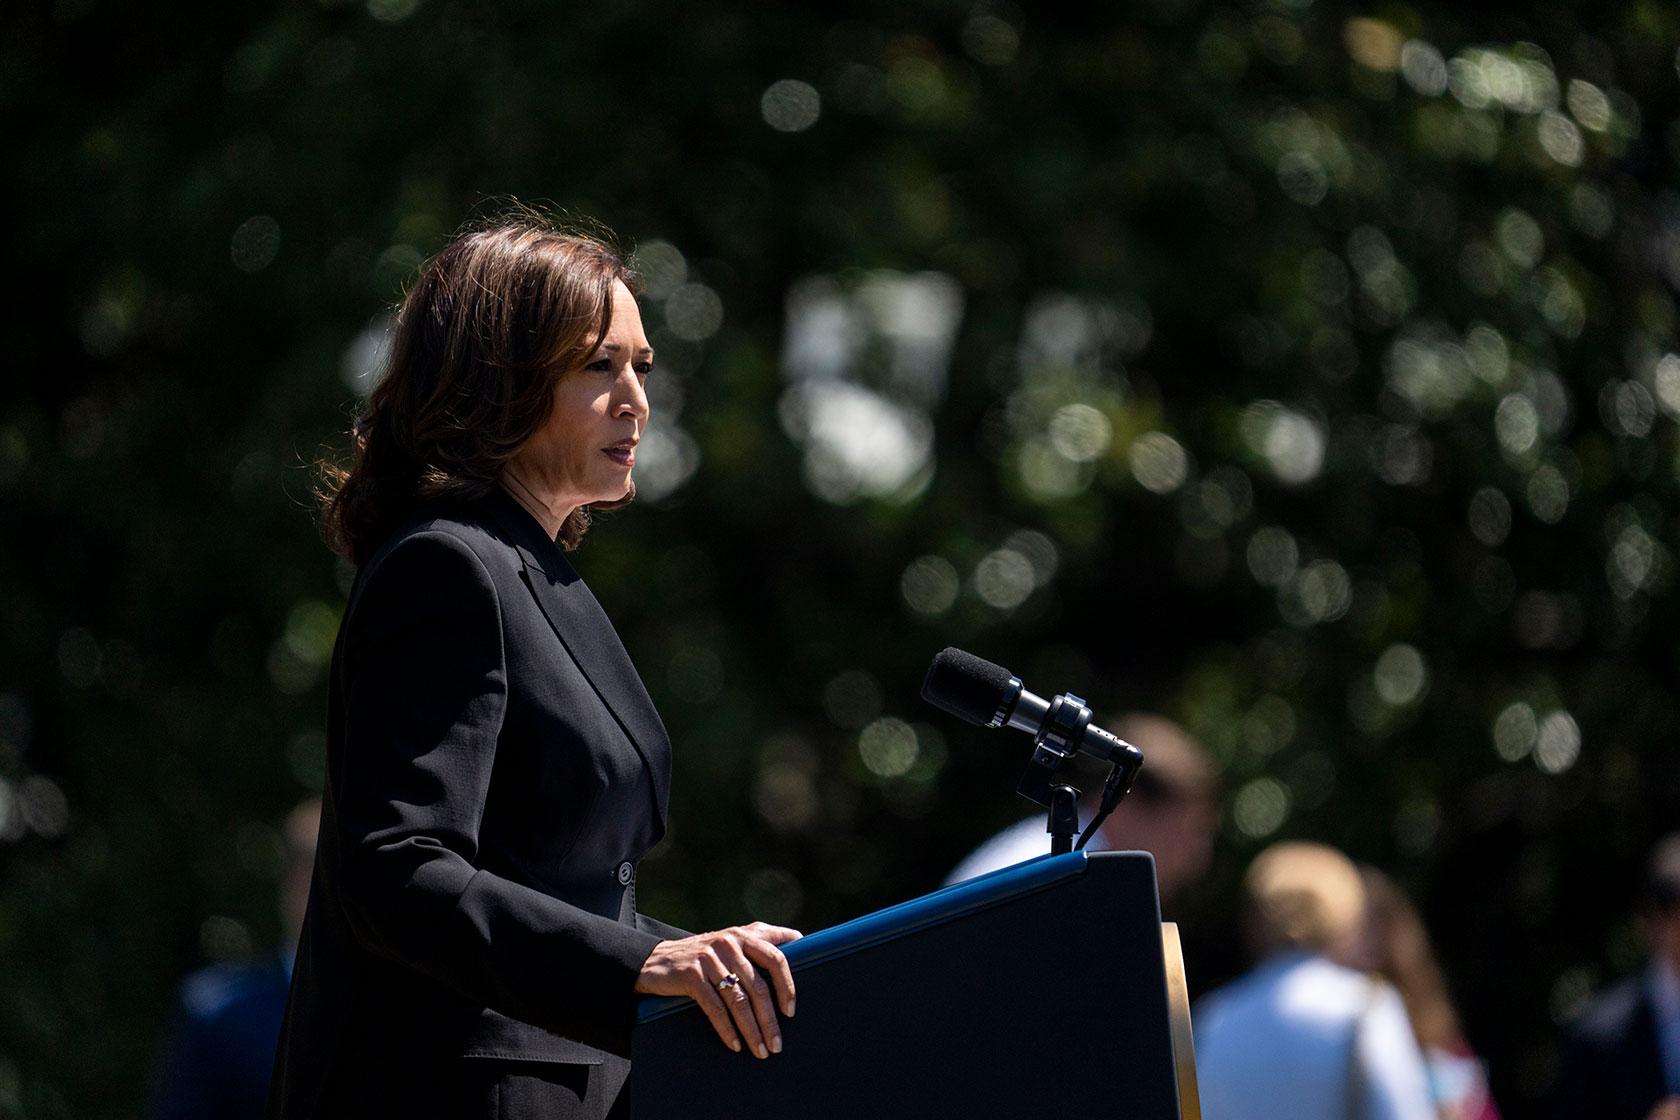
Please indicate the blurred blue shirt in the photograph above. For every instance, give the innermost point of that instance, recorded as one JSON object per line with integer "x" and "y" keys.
{"x": 1278, "y": 1044}
{"x": 219, "y": 1052}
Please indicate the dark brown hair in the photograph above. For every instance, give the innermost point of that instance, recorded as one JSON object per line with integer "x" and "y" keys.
{"x": 492, "y": 322}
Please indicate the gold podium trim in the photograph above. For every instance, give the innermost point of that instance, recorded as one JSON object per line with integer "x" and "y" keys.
{"x": 1178, "y": 1014}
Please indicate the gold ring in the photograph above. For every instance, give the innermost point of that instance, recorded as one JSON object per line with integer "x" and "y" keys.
{"x": 728, "y": 982}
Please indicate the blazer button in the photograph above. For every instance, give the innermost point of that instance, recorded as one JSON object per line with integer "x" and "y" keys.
{"x": 626, "y": 872}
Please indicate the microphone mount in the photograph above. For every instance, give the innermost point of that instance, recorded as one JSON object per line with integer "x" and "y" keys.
{"x": 988, "y": 695}
{"x": 1062, "y": 730}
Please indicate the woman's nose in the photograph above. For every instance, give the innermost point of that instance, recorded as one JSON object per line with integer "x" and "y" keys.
{"x": 633, "y": 400}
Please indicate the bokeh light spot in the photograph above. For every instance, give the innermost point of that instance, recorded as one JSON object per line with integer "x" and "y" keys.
{"x": 858, "y": 443}
{"x": 665, "y": 460}
{"x": 1302, "y": 178}
{"x": 662, "y": 267}
{"x": 852, "y": 699}
{"x": 255, "y": 244}
{"x": 1291, "y": 443}
{"x": 1490, "y": 516}
{"x": 1665, "y": 381}
{"x": 1272, "y": 556}
{"x": 1627, "y": 408}
{"x": 1517, "y": 424}
{"x": 1158, "y": 462}
{"x": 1548, "y": 494}
{"x": 1588, "y": 104}
{"x": 1320, "y": 592}
{"x": 1423, "y": 68}
{"x": 786, "y": 797}
{"x": 363, "y": 363}
{"x": 1261, "y": 807}
{"x": 1557, "y": 744}
{"x": 1633, "y": 563}
{"x": 43, "y": 806}
{"x": 1080, "y": 433}
{"x": 1559, "y": 138}
{"x": 1004, "y": 579}
{"x": 1401, "y": 675}
{"x": 1269, "y": 725}
{"x": 790, "y": 105}
{"x": 1048, "y": 475}
{"x": 1519, "y": 236}
{"x": 990, "y": 41}
{"x": 888, "y": 747}
{"x": 693, "y": 312}
{"x": 1515, "y": 730}
{"x": 1039, "y": 550}
{"x": 929, "y": 585}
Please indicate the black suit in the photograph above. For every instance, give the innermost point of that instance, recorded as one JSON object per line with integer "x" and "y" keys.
{"x": 495, "y": 771}
{"x": 1610, "y": 1067}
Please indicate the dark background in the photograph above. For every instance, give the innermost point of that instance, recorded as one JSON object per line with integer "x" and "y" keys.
{"x": 1323, "y": 354}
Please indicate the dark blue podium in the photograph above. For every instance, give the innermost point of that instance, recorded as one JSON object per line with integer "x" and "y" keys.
{"x": 1040, "y": 990}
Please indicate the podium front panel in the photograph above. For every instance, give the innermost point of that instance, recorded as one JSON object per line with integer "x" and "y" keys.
{"x": 1035, "y": 991}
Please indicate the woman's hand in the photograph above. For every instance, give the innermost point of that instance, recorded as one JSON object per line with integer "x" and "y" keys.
{"x": 1666, "y": 1109}
{"x": 725, "y": 973}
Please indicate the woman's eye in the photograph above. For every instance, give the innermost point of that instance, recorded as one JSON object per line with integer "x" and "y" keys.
{"x": 643, "y": 368}
{"x": 600, "y": 365}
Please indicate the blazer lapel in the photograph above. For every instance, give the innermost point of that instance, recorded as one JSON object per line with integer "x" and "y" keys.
{"x": 588, "y": 635}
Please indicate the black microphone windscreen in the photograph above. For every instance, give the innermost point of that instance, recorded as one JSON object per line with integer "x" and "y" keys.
{"x": 969, "y": 687}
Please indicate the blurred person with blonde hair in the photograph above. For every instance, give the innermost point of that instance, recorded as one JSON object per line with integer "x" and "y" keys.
{"x": 1394, "y": 945}
{"x": 1302, "y": 1037}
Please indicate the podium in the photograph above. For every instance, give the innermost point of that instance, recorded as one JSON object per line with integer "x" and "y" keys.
{"x": 1046, "y": 989}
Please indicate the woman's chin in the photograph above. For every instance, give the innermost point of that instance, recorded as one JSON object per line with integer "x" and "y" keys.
{"x": 623, "y": 491}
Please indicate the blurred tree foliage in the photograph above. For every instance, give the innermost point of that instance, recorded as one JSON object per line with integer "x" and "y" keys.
{"x": 1308, "y": 374}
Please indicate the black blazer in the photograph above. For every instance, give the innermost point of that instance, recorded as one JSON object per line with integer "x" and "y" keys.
{"x": 495, "y": 771}
{"x": 1610, "y": 1067}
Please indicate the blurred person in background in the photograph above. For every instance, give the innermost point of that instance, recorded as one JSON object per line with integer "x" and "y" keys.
{"x": 1620, "y": 1055}
{"x": 218, "y": 1054}
{"x": 1172, "y": 812}
{"x": 1394, "y": 945}
{"x": 495, "y": 768}
{"x": 1301, "y": 1037}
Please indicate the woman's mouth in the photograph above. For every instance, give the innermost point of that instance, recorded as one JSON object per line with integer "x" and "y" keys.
{"x": 624, "y": 454}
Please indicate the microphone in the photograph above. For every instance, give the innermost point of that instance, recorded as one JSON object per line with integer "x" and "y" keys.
{"x": 987, "y": 695}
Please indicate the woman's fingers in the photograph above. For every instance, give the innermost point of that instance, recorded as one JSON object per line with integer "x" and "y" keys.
{"x": 754, "y": 1000}
{"x": 713, "y": 1005}
{"x": 765, "y": 954}
{"x": 738, "y": 976}
{"x": 736, "y": 991}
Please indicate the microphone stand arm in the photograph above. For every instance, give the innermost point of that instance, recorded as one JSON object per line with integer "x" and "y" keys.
{"x": 1064, "y": 729}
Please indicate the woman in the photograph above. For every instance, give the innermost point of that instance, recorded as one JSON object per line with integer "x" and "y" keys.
{"x": 495, "y": 768}
{"x": 1394, "y": 945}
{"x": 1302, "y": 1036}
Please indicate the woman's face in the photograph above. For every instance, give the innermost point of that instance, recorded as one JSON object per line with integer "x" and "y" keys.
{"x": 586, "y": 450}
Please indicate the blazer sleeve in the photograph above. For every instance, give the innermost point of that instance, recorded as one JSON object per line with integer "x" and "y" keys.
{"x": 660, "y": 929}
{"x": 424, "y": 680}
